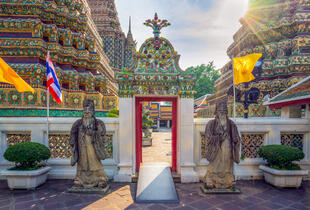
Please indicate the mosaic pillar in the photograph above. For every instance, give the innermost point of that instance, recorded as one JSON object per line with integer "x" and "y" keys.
{"x": 126, "y": 139}
{"x": 186, "y": 141}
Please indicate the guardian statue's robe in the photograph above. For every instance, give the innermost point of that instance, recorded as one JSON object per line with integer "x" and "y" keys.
{"x": 88, "y": 149}
{"x": 222, "y": 150}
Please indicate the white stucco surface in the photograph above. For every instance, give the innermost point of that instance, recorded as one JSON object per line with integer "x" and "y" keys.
{"x": 190, "y": 165}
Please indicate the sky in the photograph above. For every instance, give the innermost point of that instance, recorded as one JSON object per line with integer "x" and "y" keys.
{"x": 200, "y": 31}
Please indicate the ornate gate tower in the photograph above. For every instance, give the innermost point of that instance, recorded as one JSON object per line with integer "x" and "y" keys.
{"x": 156, "y": 75}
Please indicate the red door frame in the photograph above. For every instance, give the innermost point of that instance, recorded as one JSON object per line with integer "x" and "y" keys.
{"x": 138, "y": 109}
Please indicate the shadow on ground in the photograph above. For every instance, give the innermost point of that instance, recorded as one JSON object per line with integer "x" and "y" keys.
{"x": 255, "y": 195}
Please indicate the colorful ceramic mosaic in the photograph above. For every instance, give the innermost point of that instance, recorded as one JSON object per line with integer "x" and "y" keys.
{"x": 118, "y": 48}
{"x": 280, "y": 31}
{"x": 28, "y": 29}
{"x": 7, "y": 112}
{"x": 156, "y": 70}
{"x": 299, "y": 91}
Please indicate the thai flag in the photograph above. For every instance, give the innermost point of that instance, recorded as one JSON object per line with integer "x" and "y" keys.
{"x": 52, "y": 81}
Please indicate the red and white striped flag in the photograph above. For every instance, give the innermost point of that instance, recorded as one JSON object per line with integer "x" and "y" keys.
{"x": 52, "y": 81}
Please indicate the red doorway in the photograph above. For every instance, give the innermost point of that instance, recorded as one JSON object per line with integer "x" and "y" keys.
{"x": 174, "y": 130}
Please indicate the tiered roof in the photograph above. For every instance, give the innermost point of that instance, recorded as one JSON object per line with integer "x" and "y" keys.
{"x": 298, "y": 94}
{"x": 279, "y": 29}
{"x": 30, "y": 28}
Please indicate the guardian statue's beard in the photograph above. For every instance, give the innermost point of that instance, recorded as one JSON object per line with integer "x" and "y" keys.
{"x": 222, "y": 118}
{"x": 88, "y": 120}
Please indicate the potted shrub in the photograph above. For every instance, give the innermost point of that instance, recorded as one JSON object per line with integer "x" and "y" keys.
{"x": 280, "y": 170}
{"x": 28, "y": 172}
{"x": 146, "y": 128}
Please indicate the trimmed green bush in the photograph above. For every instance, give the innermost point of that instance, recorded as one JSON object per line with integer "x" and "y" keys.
{"x": 146, "y": 122}
{"x": 114, "y": 111}
{"x": 281, "y": 156}
{"x": 27, "y": 155}
{"x": 112, "y": 115}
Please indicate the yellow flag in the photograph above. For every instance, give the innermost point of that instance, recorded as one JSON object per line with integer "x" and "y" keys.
{"x": 8, "y": 75}
{"x": 243, "y": 68}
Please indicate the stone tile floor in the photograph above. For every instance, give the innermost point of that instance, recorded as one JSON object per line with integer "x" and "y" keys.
{"x": 256, "y": 195}
{"x": 160, "y": 151}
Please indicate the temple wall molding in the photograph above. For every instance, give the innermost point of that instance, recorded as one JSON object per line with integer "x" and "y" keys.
{"x": 120, "y": 165}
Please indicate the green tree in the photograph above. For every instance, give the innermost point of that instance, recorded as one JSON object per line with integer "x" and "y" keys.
{"x": 206, "y": 76}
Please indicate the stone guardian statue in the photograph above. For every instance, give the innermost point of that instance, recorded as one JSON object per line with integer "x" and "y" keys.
{"x": 222, "y": 150}
{"x": 87, "y": 140}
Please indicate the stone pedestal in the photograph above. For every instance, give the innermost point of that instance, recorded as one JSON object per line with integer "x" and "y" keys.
{"x": 219, "y": 191}
{"x": 147, "y": 141}
{"x": 94, "y": 190}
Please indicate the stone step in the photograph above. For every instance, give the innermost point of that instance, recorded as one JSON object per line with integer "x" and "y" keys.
{"x": 155, "y": 184}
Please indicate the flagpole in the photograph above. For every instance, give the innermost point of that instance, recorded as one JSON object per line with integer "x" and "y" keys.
{"x": 47, "y": 108}
{"x": 48, "y": 113}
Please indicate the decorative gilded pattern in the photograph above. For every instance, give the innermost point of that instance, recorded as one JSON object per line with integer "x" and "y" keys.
{"x": 293, "y": 140}
{"x": 9, "y": 97}
{"x": 203, "y": 145}
{"x": 250, "y": 144}
{"x": 109, "y": 145}
{"x": 12, "y": 139}
{"x": 156, "y": 70}
{"x": 60, "y": 147}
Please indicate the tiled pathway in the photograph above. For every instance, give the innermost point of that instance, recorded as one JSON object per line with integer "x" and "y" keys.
{"x": 256, "y": 195}
{"x": 160, "y": 151}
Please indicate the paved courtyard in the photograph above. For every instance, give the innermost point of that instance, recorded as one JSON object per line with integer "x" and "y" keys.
{"x": 160, "y": 151}
{"x": 256, "y": 195}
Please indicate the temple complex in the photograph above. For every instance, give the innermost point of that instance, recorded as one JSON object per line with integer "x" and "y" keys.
{"x": 279, "y": 29}
{"x": 65, "y": 28}
{"x": 119, "y": 48}
{"x": 95, "y": 60}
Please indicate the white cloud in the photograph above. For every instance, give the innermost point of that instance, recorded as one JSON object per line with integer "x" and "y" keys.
{"x": 201, "y": 30}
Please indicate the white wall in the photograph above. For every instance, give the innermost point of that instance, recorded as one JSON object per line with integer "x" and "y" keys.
{"x": 61, "y": 168}
{"x": 271, "y": 128}
{"x": 247, "y": 169}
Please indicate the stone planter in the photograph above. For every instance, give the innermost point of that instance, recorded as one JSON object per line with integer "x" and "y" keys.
{"x": 26, "y": 179}
{"x": 283, "y": 178}
{"x": 147, "y": 141}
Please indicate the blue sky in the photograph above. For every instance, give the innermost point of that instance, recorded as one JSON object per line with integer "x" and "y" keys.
{"x": 201, "y": 30}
